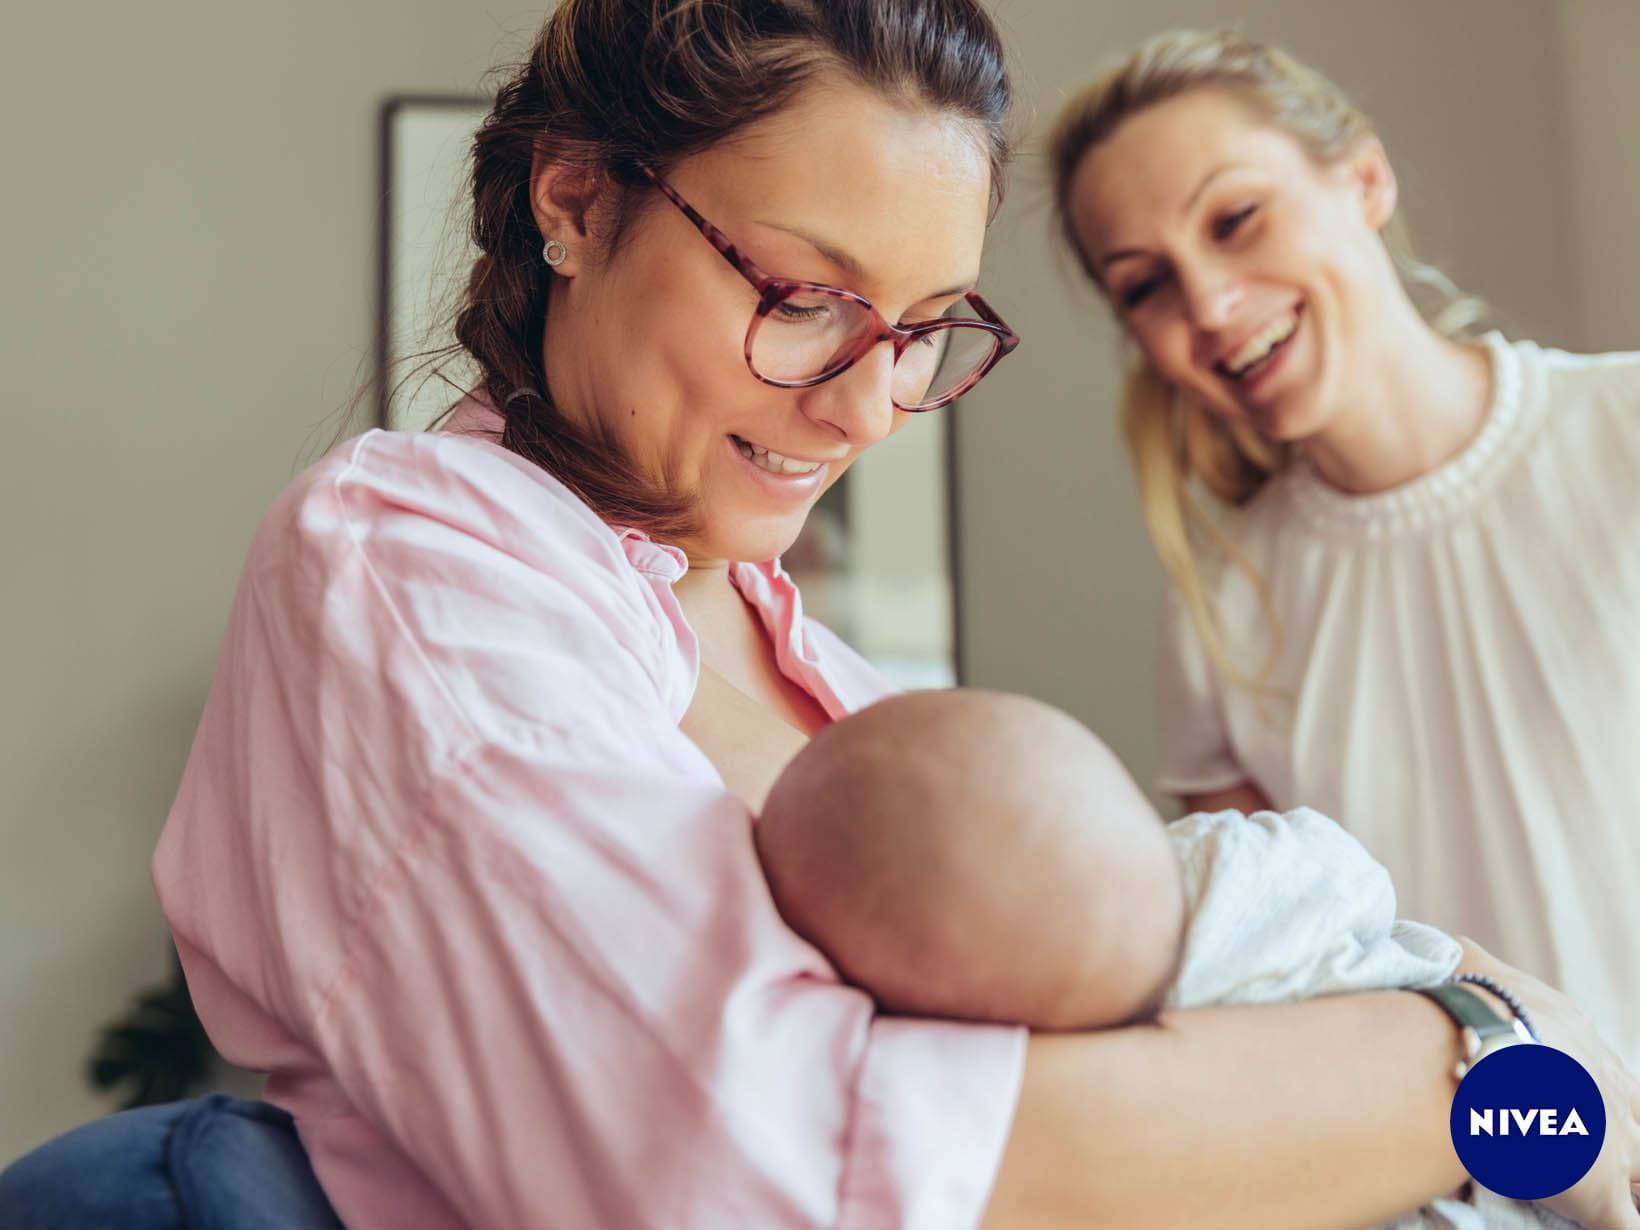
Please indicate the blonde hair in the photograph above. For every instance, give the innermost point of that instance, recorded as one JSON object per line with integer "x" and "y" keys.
{"x": 1177, "y": 445}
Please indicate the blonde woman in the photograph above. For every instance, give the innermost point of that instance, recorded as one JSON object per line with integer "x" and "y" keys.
{"x": 1405, "y": 579}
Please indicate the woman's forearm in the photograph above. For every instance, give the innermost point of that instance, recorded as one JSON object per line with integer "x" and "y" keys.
{"x": 1331, "y": 1112}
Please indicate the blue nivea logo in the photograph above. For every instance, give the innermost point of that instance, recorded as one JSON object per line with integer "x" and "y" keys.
{"x": 1528, "y": 1122}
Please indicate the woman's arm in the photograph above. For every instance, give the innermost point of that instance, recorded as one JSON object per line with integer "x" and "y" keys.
{"x": 1244, "y": 796}
{"x": 1331, "y": 1112}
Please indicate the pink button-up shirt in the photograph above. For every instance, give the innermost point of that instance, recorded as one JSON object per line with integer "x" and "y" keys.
{"x": 444, "y": 866}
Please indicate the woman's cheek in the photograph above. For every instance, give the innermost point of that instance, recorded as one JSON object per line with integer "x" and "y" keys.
{"x": 1171, "y": 349}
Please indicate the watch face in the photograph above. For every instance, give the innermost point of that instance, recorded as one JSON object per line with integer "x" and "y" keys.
{"x": 1513, "y": 1036}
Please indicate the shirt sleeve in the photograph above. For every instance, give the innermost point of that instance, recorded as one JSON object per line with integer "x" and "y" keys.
{"x": 474, "y": 865}
{"x": 1196, "y": 752}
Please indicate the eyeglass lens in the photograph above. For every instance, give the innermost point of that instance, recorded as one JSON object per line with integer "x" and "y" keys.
{"x": 811, "y": 335}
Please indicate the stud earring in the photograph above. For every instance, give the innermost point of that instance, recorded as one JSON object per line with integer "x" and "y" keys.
{"x": 554, "y": 253}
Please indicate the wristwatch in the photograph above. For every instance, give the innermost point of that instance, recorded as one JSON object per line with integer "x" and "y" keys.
{"x": 1483, "y": 1030}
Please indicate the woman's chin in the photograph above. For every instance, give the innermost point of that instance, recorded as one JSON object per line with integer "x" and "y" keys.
{"x": 752, "y": 540}
{"x": 1291, "y": 420}
{"x": 1295, "y": 428}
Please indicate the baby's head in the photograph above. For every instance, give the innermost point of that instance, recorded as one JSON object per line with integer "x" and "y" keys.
{"x": 978, "y": 855}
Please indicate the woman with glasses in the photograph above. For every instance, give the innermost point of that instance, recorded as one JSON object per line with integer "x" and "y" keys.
{"x": 462, "y": 856}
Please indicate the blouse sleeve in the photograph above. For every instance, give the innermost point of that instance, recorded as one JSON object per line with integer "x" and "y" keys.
{"x": 460, "y": 848}
{"x": 1196, "y": 753}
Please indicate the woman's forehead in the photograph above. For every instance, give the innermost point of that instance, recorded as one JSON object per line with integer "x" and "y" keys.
{"x": 1157, "y": 164}
{"x": 898, "y": 187}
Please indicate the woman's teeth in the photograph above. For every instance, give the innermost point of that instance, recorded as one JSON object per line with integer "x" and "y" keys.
{"x": 773, "y": 462}
{"x": 1260, "y": 346}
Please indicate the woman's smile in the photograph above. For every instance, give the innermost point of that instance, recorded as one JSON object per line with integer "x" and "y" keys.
{"x": 1261, "y": 371}
{"x": 1246, "y": 362}
{"x": 786, "y": 478}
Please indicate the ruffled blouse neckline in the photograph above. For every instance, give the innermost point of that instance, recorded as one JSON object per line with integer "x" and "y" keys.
{"x": 1433, "y": 497}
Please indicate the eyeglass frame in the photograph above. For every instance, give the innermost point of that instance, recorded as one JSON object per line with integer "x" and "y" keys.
{"x": 773, "y": 291}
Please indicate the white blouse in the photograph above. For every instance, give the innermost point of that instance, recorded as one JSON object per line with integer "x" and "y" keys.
{"x": 1459, "y": 668}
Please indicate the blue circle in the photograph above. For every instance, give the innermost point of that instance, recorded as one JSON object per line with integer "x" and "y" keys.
{"x": 1528, "y": 1122}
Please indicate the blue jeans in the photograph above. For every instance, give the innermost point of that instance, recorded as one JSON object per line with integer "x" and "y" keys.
{"x": 213, "y": 1163}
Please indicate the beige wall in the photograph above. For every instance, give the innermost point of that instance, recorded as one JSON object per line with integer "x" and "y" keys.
{"x": 1601, "y": 47}
{"x": 1060, "y": 591}
{"x": 185, "y": 295}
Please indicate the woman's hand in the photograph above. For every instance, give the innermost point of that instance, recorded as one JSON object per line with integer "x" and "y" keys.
{"x": 1605, "y": 1198}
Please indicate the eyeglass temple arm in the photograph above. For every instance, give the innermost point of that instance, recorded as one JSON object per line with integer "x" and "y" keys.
{"x": 739, "y": 262}
{"x": 986, "y": 311}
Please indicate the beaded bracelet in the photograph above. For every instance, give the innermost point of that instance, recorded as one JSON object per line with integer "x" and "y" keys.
{"x": 1506, "y": 995}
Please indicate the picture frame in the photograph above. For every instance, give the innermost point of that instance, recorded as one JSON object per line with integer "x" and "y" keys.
{"x": 424, "y": 147}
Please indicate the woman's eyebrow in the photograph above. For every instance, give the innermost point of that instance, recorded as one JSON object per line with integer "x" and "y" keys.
{"x": 1189, "y": 204}
{"x": 853, "y": 268}
{"x": 1122, "y": 254}
{"x": 1208, "y": 179}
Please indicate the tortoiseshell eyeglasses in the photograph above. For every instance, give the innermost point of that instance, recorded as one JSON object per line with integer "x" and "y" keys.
{"x": 804, "y": 333}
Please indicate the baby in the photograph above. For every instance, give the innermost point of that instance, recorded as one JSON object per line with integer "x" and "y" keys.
{"x": 987, "y": 837}
{"x": 984, "y": 856}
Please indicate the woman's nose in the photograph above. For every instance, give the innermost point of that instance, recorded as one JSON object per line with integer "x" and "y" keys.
{"x": 858, "y": 403}
{"x": 1211, "y": 298}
